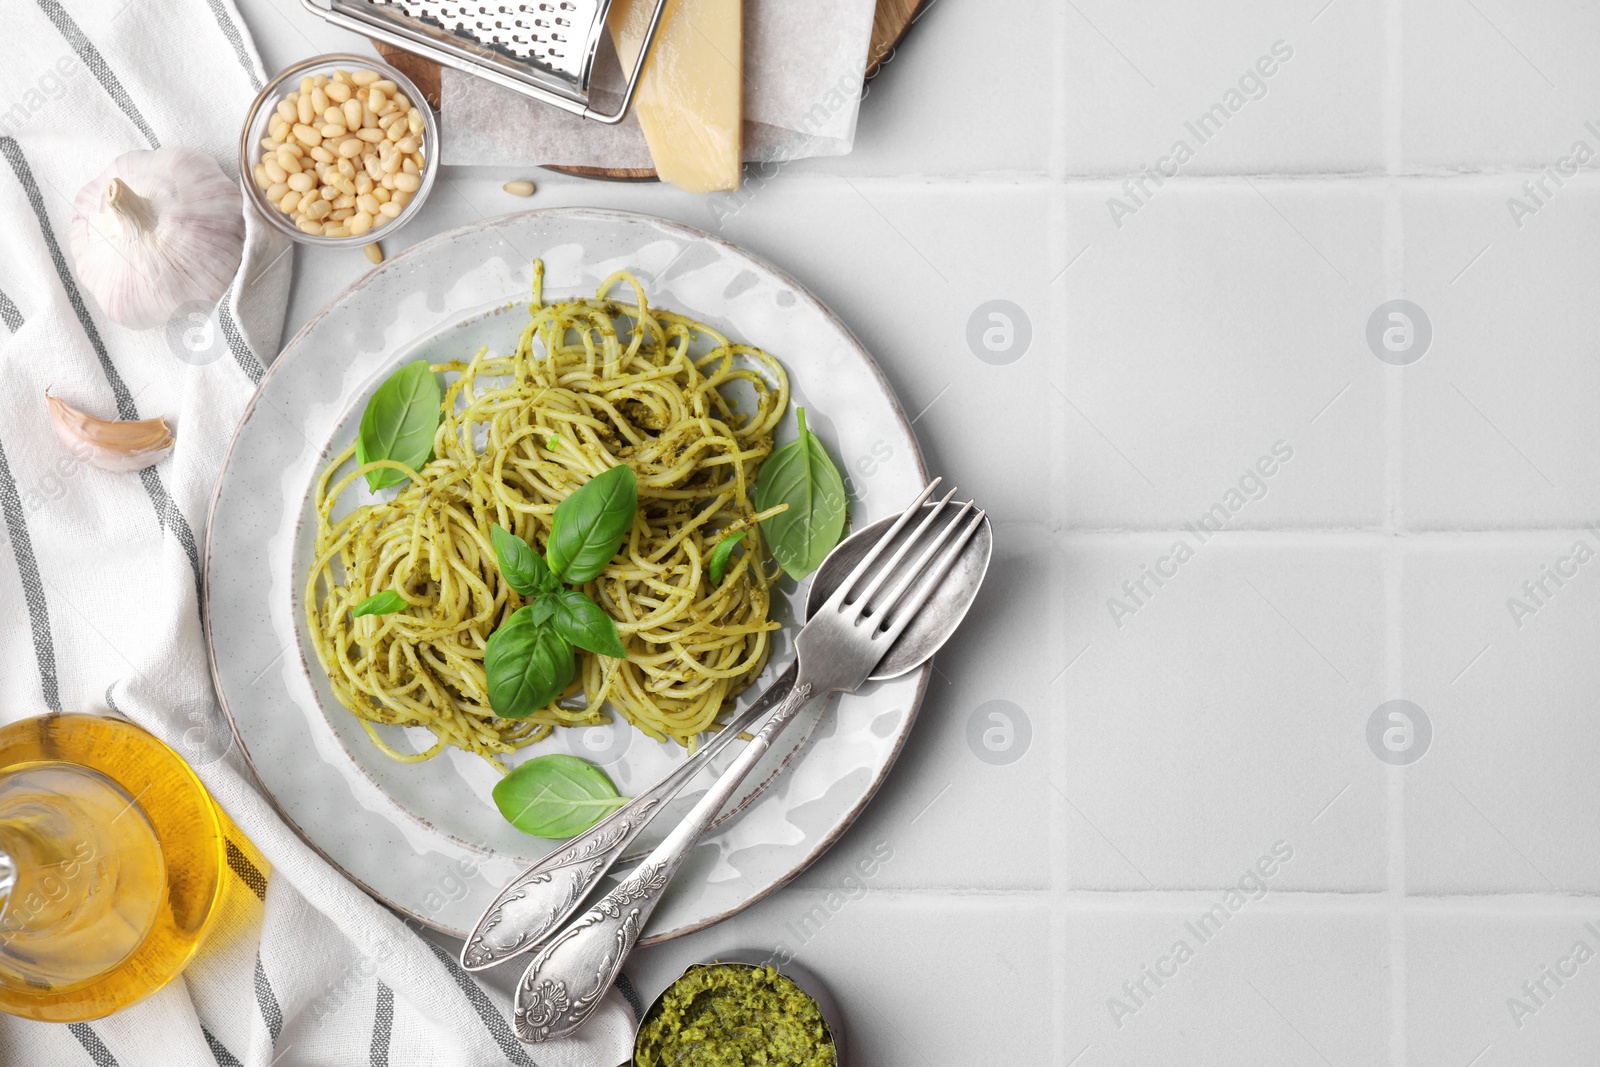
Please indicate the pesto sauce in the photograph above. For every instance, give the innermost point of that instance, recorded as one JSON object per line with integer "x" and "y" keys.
{"x": 731, "y": 1015}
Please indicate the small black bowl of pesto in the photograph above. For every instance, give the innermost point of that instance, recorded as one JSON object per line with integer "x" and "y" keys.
{"x": 731, "y": 1014}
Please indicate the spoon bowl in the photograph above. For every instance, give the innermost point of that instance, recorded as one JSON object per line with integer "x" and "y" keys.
{"x": 937, "y": 620}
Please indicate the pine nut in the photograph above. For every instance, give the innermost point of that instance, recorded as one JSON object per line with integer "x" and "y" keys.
{"x": 374, "y": 253}
{"x": 519, "y": 188}
{"x": 343, "y": 155}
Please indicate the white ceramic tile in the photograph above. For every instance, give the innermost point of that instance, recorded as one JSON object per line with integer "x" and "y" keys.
{"x": 1220, "y": 319}
{"x": 969, "y": 802}
{"x": 922, "y": 979}
{"x": 970, "y": 90}
{"x": 1497, "y": 431}
{"x": 1269, "y": 984}
{"x": 1464, "y": 973}
{"x": 284, "y": 33}
{"x": 1296, "y": 89}
{"x": 913, "y": 269}
{"x": 1495, "y": 82}
{"x": 1504, "y": 799}
{"x": 1225, "y": 714}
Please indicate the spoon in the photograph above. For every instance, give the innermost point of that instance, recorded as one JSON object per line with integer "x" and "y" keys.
{"x": 838, "y": 649}
{"x": 538, "y": 900}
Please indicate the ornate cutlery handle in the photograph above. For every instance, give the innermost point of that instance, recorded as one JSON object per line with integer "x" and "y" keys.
{"x": 570, "y": 975}
{"x": 540, "y": 898}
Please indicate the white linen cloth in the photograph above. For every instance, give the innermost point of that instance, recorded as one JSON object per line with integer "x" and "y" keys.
{"x": 100, "y": 572}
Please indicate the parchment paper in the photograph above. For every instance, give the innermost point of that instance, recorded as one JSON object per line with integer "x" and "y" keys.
{"x": 803, "y": 67}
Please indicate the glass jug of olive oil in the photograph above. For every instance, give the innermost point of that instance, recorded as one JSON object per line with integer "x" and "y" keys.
{"x": 111, "y": 863}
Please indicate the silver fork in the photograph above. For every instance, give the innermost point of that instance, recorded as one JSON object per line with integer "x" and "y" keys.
{"x": 835, "y": 651}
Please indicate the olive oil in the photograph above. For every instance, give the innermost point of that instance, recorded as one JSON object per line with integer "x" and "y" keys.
{"x": 112, "y": 865}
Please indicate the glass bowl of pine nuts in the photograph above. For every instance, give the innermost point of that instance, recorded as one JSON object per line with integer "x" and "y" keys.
{"x": 339, "y": 150}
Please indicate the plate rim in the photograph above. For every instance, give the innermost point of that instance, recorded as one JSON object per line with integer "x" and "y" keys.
{"x": 827, "y": 840}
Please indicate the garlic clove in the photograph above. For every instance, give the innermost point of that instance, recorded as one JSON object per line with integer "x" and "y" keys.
{"x": 156, "y": 230}
{"x": 109, "y": 444}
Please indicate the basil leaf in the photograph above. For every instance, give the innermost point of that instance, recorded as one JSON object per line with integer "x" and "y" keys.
{"x": 590, "y": 524}
{"x": 586, "y": 624}
{"x": 529, "y": 665}
{"x": 801, "y": 475}
{"x": 384, "y": 603}
{"x": 720, "y": 555}
{"x": 556, "y": 796}
{"x": 523, "y": 568}
{"x": 541, "y": 609}
{"x": 399, "y": 423}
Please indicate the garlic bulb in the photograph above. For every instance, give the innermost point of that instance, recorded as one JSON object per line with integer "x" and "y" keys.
{"x": 156, "y": 230}
{"x": 108, "y": 444}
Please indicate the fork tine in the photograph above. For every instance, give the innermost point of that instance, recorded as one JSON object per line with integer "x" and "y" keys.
{"x": 906, "y": 575}
{"x": 847, "y": 586}
{"x": 934, "y": 574}
{"x": 891, "y": 568}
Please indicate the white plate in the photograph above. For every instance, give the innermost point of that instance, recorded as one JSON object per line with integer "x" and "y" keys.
{"x": 426, "y": 838}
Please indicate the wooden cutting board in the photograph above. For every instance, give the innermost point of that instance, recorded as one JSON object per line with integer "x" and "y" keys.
{"x": 889, "y": 25}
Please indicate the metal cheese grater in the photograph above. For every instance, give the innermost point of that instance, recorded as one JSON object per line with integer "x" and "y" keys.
{"x": 540, "y": 48}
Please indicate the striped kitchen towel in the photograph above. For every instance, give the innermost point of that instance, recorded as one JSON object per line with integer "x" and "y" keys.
{"x": 100, "y": 572}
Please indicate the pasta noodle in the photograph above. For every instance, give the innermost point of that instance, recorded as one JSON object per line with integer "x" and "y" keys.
{"x": 593, "y": 383}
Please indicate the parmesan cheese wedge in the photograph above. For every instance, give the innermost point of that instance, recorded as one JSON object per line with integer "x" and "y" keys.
{"x": 689, "y": 98}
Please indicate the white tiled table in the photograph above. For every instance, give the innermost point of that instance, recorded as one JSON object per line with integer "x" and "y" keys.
{"x": 1173, "y": 743}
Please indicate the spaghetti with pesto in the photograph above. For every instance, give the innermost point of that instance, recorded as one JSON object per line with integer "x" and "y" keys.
{"x": 593, "y": 383}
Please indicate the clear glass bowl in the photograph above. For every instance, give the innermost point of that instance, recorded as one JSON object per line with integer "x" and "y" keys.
{"x": 265, "y": 105}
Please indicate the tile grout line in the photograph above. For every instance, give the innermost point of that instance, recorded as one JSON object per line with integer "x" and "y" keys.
{"x": 1394, "y": 263}
{"x": 1057, "y": 295}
